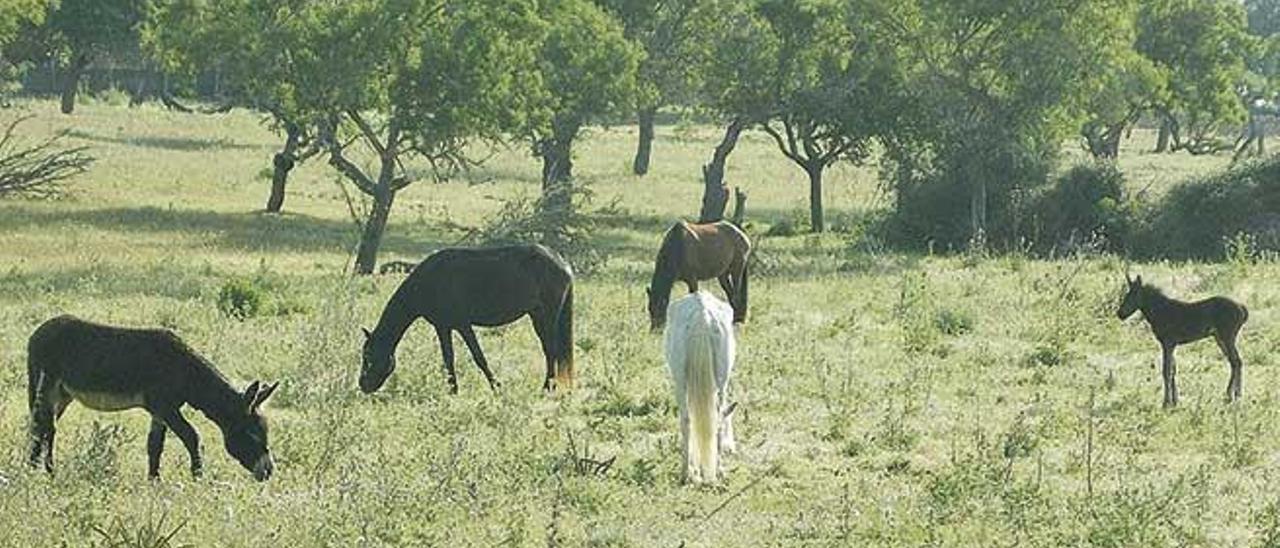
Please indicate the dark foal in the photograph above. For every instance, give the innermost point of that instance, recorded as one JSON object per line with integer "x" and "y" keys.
{"x": 1176, "y": 322}
{"x": 109, "y": 368}
{"x": 458, "y": 288}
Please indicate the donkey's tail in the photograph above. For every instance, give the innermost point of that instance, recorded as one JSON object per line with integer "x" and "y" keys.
{"x": 701, "y": 405}
{"x": 563, "y": 356}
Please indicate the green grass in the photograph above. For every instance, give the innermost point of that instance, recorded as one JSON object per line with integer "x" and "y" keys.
{"x": 886, "y": 399}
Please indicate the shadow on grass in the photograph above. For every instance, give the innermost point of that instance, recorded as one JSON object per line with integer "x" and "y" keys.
{"x": 255, "y": 231}
{"x": 167, "y": 143}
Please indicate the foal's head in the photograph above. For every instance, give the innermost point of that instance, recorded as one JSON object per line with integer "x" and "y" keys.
{"x": 379, "y": 362}
{"x": 246, "y": 436}
{"x": 1132, "y": 298}
{"x": 657, "y": 308}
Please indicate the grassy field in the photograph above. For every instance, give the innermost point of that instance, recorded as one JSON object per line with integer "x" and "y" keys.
{"x": 885, "y": 399}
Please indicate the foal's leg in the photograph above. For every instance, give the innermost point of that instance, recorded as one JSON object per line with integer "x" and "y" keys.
{"x": 446, "y": 352}
{"x": 155, "y": 446}
{"x": 1168, "y": 370}
{"x": 173, "y": 418}
{"x": 473, "y": 345}
{"x": 1228, "y": 345}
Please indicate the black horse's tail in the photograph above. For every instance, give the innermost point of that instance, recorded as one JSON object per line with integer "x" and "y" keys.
{"x": 563, "y": 346}
{"x": 741, "y": 315}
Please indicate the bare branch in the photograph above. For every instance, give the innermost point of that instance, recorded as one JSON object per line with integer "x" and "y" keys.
{"x": 38, "y": 170}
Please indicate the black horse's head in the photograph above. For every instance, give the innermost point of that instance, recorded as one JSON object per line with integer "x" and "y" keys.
{"x": 245, "y": 436}
{"x": 657, "y": 308}
{"x": 1132, "y": 298}
{"x": 378, "y": 363}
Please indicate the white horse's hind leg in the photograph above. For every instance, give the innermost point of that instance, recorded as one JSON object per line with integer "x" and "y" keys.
{"x": 727, "y": 442}
{"x": 689, "y": 469}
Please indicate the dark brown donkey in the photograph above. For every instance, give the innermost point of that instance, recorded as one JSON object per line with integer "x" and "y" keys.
{"x": 694, "y": 252}
{"x": 457, "y": 288}
{"x": 114, "y": 368}
{"x": 1176, "y": 322}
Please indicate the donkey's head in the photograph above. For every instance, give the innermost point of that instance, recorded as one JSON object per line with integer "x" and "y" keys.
{"x": 657, "y": 308}
{"x": 246, "y": 435}
{"x": 1132, "y": 297}
{"x": 378, "y": 362}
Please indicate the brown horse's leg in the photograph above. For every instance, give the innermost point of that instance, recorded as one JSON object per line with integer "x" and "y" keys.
{"x": 726, "y": 283}
{"x": 473, "y": 345}
{"x": 1168, "y": 370}
{"x": 446, "y": 352}
{"x": 542, "y": 326}
{"x": 1227, "y": 343}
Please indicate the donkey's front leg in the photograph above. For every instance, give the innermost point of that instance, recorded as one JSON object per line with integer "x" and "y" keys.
{"x": 173, "y": 418}
{"x": 1169, "y": 370}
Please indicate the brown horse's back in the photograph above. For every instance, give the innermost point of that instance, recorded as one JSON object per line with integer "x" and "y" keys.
{"x": 710, "y": 249}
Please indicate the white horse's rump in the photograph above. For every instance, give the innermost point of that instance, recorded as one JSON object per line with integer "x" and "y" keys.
{"x": 700, "y": 354}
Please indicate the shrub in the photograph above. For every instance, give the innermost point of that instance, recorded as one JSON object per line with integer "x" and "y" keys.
{"x": 1085, "y": 206}
{"x": 240, "y": 299}
{"x": 1198, "y": 217}
{"x": 566, "y": 230}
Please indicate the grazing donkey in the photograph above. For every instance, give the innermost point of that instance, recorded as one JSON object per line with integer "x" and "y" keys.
{"x": 1176, "y": 322}
{"x": 700, "y": 354}
{"x": 113, "y": 368}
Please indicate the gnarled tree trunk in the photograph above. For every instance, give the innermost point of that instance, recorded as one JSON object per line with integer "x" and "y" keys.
{"x": 715, "y": 195}
{"x": 557, "y": 167}
{"x": 371, "y": 237}
{"x": 72, "y": 85}
{"x": 283, "y": 163}
{"x": 645, "y": 146}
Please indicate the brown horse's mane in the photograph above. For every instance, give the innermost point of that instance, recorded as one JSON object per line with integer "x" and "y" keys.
{"x": 664, "y": 272}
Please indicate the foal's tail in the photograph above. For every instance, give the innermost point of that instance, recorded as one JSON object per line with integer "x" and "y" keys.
{"x": 563, "y": 346}
{"x": 702, "y": 405}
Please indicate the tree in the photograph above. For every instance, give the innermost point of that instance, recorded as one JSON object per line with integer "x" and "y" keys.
{"x": 1201, "y": 45}
{"x": 734, "y": 92}
{"x": 993, "y": 89}
{"x": 589, "y": 70}
{"x": 78, "y": 31}
{"x": 829, "y": 83}
{"x": 250, "y": 44}
{"x": 1128, "y": 85}
{"x": 384, "y": 83}
{"x": 673, "y": 36}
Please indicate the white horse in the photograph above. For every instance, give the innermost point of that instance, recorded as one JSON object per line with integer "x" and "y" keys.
{"x": 700, "y": 354}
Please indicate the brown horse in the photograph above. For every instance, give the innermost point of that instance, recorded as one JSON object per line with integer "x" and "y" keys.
{"x": 108, "y": 368}
{"x": 457, "y": 288}
{"x": 1176, "y": 322}
{"x": 694, "y": 252}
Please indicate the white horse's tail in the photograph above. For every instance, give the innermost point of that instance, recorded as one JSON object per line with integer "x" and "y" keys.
{"x": 703, "y": 405}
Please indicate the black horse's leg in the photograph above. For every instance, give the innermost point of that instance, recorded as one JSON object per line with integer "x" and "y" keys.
{"x": 51, "y": 402}
{"x": 1168, "y": 370}
{"x": 1228, "y": 346}
{"x": 446, "y": 352}
{"x": 473, "y": 345}
{"x": 542, "y": 326}
{"x": 173, "y": 418}
{"x": 155, "y": 446}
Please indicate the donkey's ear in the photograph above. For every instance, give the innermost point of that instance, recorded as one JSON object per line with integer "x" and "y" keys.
{"x": 264, "y": 394}
{"x": 367, "y": 334}
{"x": 251, "y": 394}
{"x": 1138, "y": 280}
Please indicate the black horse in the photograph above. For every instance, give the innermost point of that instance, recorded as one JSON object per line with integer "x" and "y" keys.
{"x": 113, "y": 368}
{"x": 1176, "y": 322}
{"x": 457, "y": 288}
